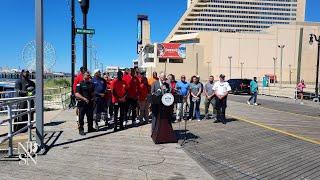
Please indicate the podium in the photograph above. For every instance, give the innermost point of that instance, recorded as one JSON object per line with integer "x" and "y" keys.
{"x": 163, "y": 131}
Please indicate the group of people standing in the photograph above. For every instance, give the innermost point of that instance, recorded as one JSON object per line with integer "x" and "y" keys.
{"x": 101, "y": 98}
{"x": 128, "y": 96}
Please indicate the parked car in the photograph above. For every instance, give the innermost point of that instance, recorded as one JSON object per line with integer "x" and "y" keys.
{"x": 240, "y": 86}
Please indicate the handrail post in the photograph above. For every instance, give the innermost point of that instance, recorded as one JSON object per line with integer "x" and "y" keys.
{"x": 10, "y": 148}
{"x": 29, "y": 120}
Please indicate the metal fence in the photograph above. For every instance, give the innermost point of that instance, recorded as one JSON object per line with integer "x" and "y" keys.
{"x": 54, "y": 98}
{"x": 14, "y": 113}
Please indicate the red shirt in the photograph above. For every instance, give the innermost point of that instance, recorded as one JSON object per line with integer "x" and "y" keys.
{"x": 143, "y": 92}
{"x": 133, "y": 85}
{"x": 108, "y": 94}
{"x": 77, "y": 80}
{"x": 120, "y": 89}
{"x": 126, "y": 77}
{"x": 173, "y": 86}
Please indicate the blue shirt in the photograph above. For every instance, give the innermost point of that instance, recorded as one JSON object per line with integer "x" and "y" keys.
{"x": 183, "y": 88}
{"x": 253, "y": 86}
{"x": 99, "y": 85}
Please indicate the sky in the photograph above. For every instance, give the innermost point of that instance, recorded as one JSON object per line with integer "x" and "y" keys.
{"x": 114, "y": 22}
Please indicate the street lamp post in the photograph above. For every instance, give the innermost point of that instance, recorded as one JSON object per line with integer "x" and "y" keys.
{"x": 39, "y": 74}
{"x": 290, "y": 73}
{"x": 312, "y": 38}
{"x": 230, "y": 58}
{"x": 208, "y": 62}
{"x": 197, "y": 64}
{"x": 242, "y": 63}
{"x": 281, "y": 62}
{"x": 274, "y": 70}
{"x": 84, "y": 8}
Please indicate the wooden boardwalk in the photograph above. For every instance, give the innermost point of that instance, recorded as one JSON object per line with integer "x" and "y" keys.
{"x": 128, "y": 154}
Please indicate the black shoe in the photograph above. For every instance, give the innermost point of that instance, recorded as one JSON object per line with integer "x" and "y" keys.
{"x": 224, "y": 122}
{"x": 81, "y": 132}
{"x": 115, "y": 130}
{"x": 216, "y": 121}
{"x": 90, "y": 130}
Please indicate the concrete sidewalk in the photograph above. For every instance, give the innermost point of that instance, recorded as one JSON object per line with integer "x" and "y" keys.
{"x": 128, "y": 154}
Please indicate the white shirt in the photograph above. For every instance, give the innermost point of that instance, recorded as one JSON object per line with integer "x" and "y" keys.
{"x": 221, "y": 88}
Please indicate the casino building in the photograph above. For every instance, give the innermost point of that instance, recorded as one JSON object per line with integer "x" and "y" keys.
{"x": 240, "y": 38}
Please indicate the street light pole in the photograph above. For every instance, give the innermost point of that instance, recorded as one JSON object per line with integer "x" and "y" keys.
{"x": 313, "y": 36}
{"x": 84, "y": 8}
{"x": 230, "y": 57}
{"x": 281, "y": 62}
{"x": 197, "y": 64}
{"x": 274, "y": 70}
{"x": 208, "y": 62}
{"x": 39, "y": 73}
{"x": 241, "y": 68}
{"x": 290, "y": 72}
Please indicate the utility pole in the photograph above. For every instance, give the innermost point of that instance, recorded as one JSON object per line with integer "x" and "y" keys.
{"x": 197, "y": 64}
{"x": 39, "y": 73}
{"x": 281, "y": 62}
{"x": 84, "y": 8}
{"x": 274, "y": 70}
{"x": 241, "y": 68}
{"x": 290, "y": 72}
{"x": 230, "y": 58}
{"x": 73, "y": 51}
{"x": 313, "y": 36}
{"x": 208, "y": 62}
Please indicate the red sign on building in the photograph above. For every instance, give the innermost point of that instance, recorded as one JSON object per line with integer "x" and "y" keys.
{"x": 172, "y": 50}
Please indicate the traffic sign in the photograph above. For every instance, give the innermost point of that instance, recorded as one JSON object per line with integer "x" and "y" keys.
{"x": 85, "y": 31}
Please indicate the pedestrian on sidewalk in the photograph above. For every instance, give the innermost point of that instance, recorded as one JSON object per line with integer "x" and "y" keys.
{"x": 183, "y": 91}
{"x": 195, "y": 98}
{"x": 85, "y": 95}
{"x": 254, "y": 92}
{"x": 221, "y": 89}
{"x": 119, "y": 94}
{"x": 300, "y": 90}
{"x": 209, "y": 98}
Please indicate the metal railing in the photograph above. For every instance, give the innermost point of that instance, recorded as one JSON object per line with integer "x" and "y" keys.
{"x": 13, "y": 114}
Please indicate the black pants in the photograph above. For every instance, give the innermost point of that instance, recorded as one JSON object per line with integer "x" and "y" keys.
{"x": 116, "y": 108}
{"x": 86, "y": 110}
{"x": 221, "y": 105}
{"x": 131, "y": 104}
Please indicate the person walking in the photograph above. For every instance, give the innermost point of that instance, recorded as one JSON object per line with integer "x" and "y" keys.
{"x": 254, "y": 92}
{"x": 119, "y": 94}
{"x": 195, "y": 98}
{"x": 209, "y": 98}
{"x": 85, "y": 95}
{"x": 144, "y": 90}
{"x": 100, "y": 89}
{"x": 300, "y": 90}
{"x": 221, "y": 90}
{"x": 183, "y": 91}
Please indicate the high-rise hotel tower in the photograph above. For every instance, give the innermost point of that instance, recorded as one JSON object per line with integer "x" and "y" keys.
{"x": 238, "y": 15}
